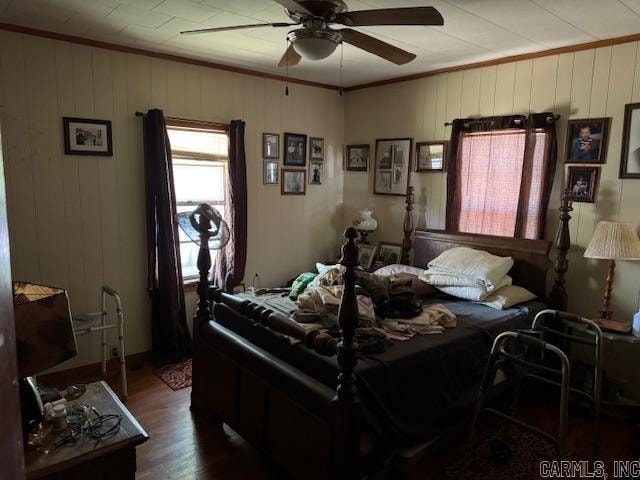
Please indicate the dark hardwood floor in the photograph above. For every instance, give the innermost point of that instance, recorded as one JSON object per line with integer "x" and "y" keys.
{"x": 182, "y": 446}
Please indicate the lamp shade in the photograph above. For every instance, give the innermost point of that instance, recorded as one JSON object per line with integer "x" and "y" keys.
{"x": 44, "y": 330}
{"x": 614, "y": 241}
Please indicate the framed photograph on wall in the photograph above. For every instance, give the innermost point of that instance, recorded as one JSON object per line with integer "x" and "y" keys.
{"x": 316, "y": 148}
{"x": 293, "y": 182}
{"x": 389, "y": 253}
{"x": 85, "y": 136}
{"x": 366, "y": 255}
{"x": 630, "y": 160}
{"x": 431, "y": 156}
{"x": 357, "y": 158}
{"x": 315, "y": 173}
{"x": 295, "y": 150}
{"x": 582, "y": 183}
{"x": 270, "y": 145}
{"x": 392, "y": 166}
{"x": 587, "y": 140}
{"x": 271, "y": 172}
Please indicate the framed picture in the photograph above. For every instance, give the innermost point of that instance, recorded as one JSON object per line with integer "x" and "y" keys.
{"x": 295, "y": 150}
{"x": 271, "y": 172}
{"x": 294, "y": 182}
{"x": 582, "y": 183}
{"x": 392, "y": 166}
{"x": 357, "y": 158}
{"x": 316, "y": 148}
{"x": 390, "y": 253}
{"x": 85, "y": 136}
{"x": 315, "y": 172}
{"x": 366, "y": 255}
{"x": 587, "y": 140}
{"x": 270, "y": 145}
{"x": 630, "y": 161}
{"x": 431, "y": 156}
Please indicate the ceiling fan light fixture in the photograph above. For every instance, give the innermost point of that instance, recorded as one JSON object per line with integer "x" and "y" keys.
{"x": 314, "y": 44}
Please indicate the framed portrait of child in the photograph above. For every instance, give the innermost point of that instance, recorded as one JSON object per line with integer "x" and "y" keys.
{"x": 587, "y": 140}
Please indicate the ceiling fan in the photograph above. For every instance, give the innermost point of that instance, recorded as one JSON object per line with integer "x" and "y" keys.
{"x": 315, "y": 40}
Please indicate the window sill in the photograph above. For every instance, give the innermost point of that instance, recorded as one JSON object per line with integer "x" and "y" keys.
{"x": 190, "y": 284}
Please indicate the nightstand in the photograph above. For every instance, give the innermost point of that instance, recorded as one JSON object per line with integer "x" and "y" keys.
{"x": 628, "y": 338}
{"x": 112, "y": 457}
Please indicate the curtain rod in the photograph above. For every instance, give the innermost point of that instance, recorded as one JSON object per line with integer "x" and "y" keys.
{"x": 448, "y": 124}
{"x": 186, "y": 121}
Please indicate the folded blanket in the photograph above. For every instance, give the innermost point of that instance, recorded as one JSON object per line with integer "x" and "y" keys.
{"x": 475, "y": 267}
{"x": 474, "y": 294}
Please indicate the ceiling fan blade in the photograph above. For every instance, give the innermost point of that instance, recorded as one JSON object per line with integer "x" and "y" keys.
{"x": 294, "y": 7}
{"x": 375, "y": 46}
{"x": 290, "y": 58}
{"x": 236, "y": 27}
{"x": 391, "y": 16}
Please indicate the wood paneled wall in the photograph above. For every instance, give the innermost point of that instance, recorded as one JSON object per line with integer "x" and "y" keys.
{"x": 78, "y": 222}
{"x": 590, "y": 83}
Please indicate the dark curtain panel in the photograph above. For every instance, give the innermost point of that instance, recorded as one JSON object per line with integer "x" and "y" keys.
{"x": 532, "y": 188}
{"x": 169, "y": 332}
{"x": 541, "y": 152}
{"x": 231, "y": 260}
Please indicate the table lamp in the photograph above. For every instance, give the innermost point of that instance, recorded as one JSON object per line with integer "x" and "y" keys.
{"x": 44, "y": 338}
{"x": 365, "y": 224}
{"x": 613, "y": 241}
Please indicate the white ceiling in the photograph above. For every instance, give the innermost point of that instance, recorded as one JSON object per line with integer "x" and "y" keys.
{"x": 474, "y": 30}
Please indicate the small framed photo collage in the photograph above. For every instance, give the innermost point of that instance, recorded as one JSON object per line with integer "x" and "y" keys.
{"x": 393, "y": 161}
{"x": 297, "y": 148}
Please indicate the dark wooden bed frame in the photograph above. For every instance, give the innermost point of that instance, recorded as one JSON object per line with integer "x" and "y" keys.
{"x": 305, "y": 428}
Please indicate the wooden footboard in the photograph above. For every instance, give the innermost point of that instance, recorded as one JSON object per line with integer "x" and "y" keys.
{"x": 296, "y": 421}
{"x": 305, "y": 428}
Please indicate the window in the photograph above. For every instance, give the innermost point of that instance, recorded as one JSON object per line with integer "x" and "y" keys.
{"x": 501, "y": 182}
{"x": 200, "y": 156}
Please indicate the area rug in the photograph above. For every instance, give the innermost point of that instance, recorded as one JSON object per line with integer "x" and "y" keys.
{"x": 177, "y": 376}
{"x": 524, "y": 452}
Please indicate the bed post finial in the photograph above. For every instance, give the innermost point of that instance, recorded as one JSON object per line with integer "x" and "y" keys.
{"x": 407, "y": 243}
{"x": 558, "y": 295}
{"x": 348, "y": 319}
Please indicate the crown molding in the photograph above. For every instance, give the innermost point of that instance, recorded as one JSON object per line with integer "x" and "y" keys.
{"x": 164, "y": 56}
{"x": 499, "y": 61}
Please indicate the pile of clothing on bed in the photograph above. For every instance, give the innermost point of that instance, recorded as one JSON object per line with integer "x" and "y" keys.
{"x": 388, "y": 304}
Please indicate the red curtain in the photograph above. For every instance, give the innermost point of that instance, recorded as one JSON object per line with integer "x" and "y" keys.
{"x": 500, "y": 174}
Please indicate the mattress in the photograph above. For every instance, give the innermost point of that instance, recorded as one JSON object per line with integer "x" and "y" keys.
{"x": 416, "y": 388}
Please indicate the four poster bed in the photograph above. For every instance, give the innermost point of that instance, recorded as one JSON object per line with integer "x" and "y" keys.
{"x": 322, "y": 409}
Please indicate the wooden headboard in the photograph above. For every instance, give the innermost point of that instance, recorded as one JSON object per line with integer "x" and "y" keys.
{"x": 531, "y": 257}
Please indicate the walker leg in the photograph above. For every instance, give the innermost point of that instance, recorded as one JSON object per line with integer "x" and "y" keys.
{"x": 123, "y": 364}
{"x": 103, "y": 315}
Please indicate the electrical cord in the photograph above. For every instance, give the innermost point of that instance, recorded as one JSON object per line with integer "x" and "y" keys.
{"x": 84, "y": 420}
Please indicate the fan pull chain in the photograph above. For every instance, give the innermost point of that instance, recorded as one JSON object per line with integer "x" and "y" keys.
{"x": 341, "y": 58}
{"x": 286, "y": 85}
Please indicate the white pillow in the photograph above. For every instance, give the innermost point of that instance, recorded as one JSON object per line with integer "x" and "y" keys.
{"x": 322, "y": 268}
{"x": 482, "y": 267}
{"x": 508, "y": 296}
{"x": 474, "y": 294}
{"x": 398, "y": 268}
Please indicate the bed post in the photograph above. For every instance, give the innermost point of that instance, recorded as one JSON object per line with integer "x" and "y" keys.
{"x": 347, "y": 429}
{"x": 203, "y": 312}
{"x": 407, "y": 243}
{"x": 558, "y": 295}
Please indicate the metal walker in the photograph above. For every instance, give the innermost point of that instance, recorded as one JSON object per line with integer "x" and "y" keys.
{"x": 97, "y": 322}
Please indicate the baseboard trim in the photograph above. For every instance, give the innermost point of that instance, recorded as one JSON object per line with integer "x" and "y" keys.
{"x": 93, "y": 371}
